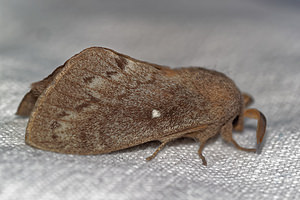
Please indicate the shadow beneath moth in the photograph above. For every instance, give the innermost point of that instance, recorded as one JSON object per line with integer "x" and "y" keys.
{"x": 102, "y": 101}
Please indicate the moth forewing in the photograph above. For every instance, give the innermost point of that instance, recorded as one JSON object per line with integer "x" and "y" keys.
{"x": 107, "y": 114}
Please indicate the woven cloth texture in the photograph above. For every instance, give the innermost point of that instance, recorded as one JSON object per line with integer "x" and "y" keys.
{"x": 256, "y": 43}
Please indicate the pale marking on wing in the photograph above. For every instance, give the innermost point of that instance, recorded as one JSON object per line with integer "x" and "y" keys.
{"x": 132, "y": 69}
{"x": 71, "y": 96}
{"x": 114, "y": 64}
{"x": 72, "y": 117}
{"x": 60, "y": 129}
{"x": 99, "y": 92}
{"x": 114, "y": 81}
{"x": 96, "y": 82}
{"x": 131, "y": 66}
{"x": 86, "y": 100}
{"x": 155, "y": 113}
{"x": 74, "y": 112}
{"x": 62, "y": 126}
{"x": 61, "y": 107}
{"x": 98, "y": 74}
{"x": 69, "y": 129}
{"x": 95, "y": 93}
{"x": 98, "y": 95}
{"x": 106, "y": 62}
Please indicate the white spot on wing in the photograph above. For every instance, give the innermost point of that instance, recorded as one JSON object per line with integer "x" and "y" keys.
{"x": 155, "y": 113}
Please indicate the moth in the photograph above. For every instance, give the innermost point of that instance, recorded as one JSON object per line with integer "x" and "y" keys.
{"x": 102, "y": 101}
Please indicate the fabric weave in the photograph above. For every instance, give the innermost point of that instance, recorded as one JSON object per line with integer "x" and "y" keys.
{"x": 256, "y": 43}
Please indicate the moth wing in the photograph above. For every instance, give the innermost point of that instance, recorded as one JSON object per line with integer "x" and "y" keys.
{"x": 27, "y": 104}
{"x": 103, "y": 101}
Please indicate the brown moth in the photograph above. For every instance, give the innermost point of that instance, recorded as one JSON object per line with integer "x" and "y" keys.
{"x": 101, "y": 101}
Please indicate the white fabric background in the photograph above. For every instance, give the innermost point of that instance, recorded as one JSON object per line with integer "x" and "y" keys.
{"x": 256, "y": 43}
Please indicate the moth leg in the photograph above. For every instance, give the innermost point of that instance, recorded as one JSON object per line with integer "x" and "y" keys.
{"x": 247, "y": 100}
{"x": 187, "y": 133}
{"x": 203, "y": 137}
{"x": 202, "y": 144}
{"x": 226, "y": 133}
{"x": 238, "y": 124}
{"x": 261, "y": 122}
{"x": 161, "y": 146}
